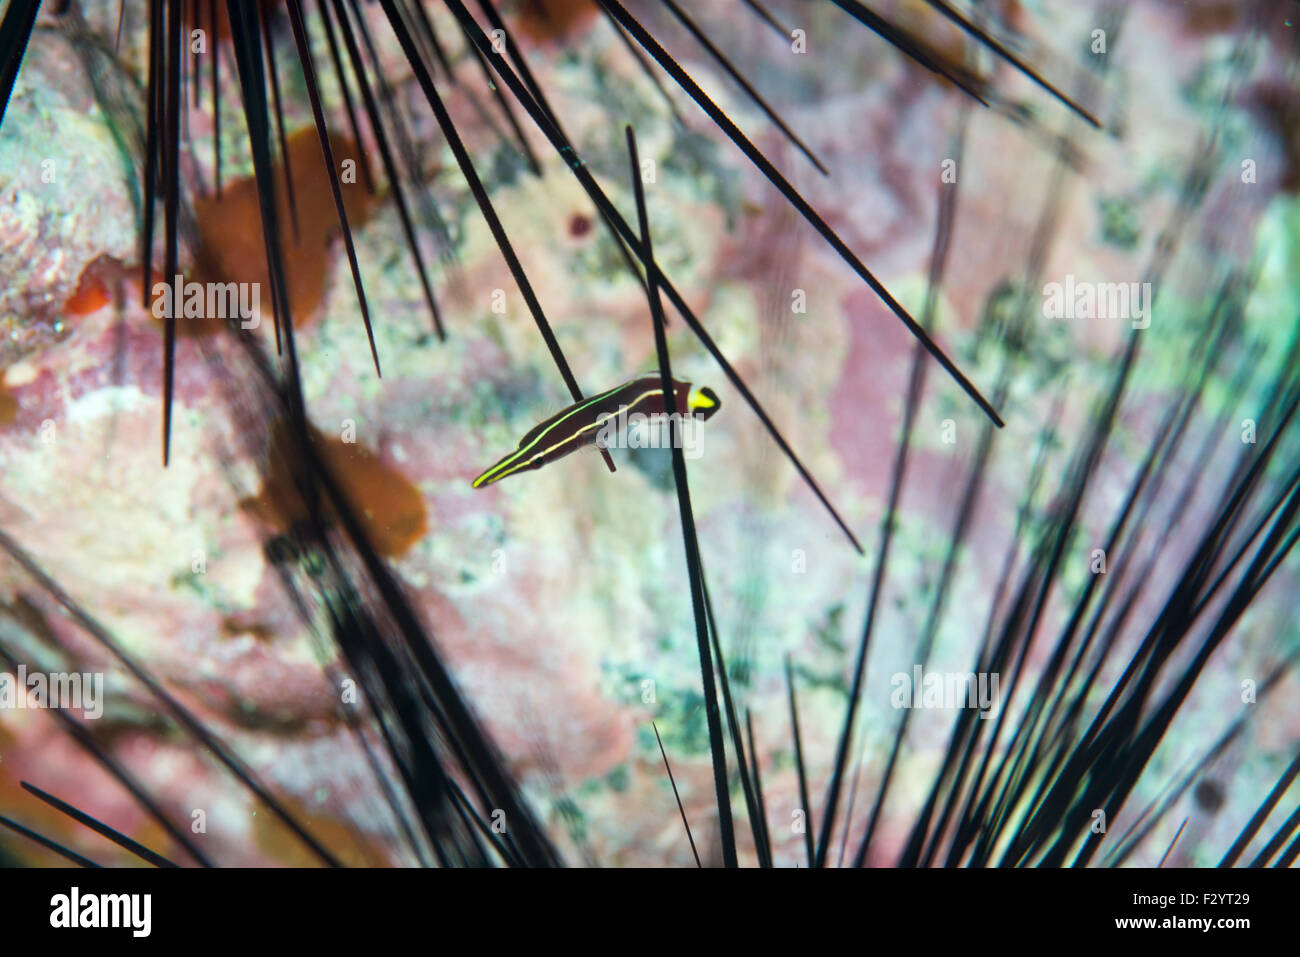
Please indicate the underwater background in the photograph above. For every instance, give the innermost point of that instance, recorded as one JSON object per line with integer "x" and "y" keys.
{"x": 319, "y": 642}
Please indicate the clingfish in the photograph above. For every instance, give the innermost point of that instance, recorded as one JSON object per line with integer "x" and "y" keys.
{"x": 580, "y": 425}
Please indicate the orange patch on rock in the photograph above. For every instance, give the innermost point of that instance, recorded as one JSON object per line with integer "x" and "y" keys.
{"x": 91, "y": 294}
{"x": 390, "y": 507}
{"x": 231, "y": 245}
{"x": 552, "y": 20}
{"x": 232, "y": 627}
{"x": 43, "y": 819}
{"x": 944, "y": 41}
{"x": 8, "y": 403}
{"x": 352, "y": 847}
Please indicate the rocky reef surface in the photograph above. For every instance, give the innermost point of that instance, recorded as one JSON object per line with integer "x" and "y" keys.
{"x": 560, "y": 597}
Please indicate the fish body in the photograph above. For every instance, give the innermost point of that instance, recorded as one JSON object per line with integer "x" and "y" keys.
{"x": 579, "y": 425}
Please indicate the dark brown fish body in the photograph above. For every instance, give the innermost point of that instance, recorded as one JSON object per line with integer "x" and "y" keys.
{"x": 579, "y": 425}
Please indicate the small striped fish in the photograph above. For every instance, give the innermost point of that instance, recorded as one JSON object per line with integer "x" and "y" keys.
{"x": 578, "y": 426}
